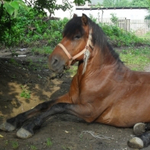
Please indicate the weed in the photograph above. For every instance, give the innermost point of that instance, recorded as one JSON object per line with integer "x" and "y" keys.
{"x": 15, "y": 144}
{"x": 25, "y": 93}
{"x": 49, "y": 142}
{"x": 6, "y": 142}
{"x": 32, "y": 147}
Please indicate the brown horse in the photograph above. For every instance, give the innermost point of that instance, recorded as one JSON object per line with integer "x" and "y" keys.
{"x": 103, "y": 90}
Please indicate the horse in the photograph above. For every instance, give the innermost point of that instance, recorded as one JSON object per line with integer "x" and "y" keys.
{"x": 103, "y": 90}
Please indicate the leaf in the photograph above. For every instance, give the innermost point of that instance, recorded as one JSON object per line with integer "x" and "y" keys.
{"x": 15, "y": 4}
{"x": 9, "y": 8}
{"x": 22, "y": 4}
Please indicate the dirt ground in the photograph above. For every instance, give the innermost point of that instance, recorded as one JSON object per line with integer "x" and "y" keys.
{"x": 30, "y": 75}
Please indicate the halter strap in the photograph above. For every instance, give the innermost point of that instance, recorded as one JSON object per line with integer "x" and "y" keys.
{"x": 65, "y": 50}
{"x": 71, "y": 58}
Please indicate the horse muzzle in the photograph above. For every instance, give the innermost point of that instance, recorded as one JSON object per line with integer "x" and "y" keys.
{"x": 56, "y": 64}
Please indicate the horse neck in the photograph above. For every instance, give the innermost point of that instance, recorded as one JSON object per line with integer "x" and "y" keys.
{"x": 100, "y": 60}
{"x": 103, "y": 57}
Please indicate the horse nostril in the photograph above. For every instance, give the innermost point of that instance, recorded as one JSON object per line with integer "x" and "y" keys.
{"x": 54, "y": 61}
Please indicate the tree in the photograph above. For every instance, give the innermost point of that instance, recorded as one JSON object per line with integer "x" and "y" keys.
{"x": 126, "y": 3}
{"x": 122, "y": 3}
{"x": 139, "y": 3}
{"x": 11, "y": 7}
{"x": 108, "y": 3}
{"x": 116, "y": 3}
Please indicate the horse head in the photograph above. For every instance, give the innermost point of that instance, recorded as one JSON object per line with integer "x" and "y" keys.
{"x": 77, "y": 39}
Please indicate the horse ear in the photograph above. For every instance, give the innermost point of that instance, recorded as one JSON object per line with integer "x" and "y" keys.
{"x": 75, "y": 15}
{"x": 84, "y": 19}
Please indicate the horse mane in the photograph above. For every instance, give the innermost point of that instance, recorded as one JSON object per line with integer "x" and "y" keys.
{"x": 98, "y": 37}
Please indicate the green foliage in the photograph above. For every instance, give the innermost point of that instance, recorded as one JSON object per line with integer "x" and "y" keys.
{"x": 35, "y": 29}
{"x": 114, "y": 19}
{"x": 12, "y": 7}
{"x": 116, "y": 3}
{"x": 50, "y": 5}
{"x": 139, "y": 3}
{"x": 119, "y": 37}
{"x": 126, "y": 3}
{"x": 80, "y": 2}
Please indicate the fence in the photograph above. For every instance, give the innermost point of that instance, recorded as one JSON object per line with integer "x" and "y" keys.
{"x": 140, "y": 27}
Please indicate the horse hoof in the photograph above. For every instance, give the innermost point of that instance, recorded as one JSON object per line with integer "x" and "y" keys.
{"x": 139, "y": 129}
{"x": 23, "y": 133}
{"x": 136, "y": 143}
{"x": 7, "y": 127}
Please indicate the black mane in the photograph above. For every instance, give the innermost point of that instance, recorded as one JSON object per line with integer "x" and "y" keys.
{"x": 98, "y": 37}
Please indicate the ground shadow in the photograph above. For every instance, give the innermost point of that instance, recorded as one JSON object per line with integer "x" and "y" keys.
{"x": 30, "y": 76}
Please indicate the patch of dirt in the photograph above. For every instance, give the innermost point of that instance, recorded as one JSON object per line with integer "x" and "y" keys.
{"x": 61, "y": 132}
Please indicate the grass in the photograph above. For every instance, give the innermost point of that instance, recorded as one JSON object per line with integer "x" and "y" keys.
{"x": 136, "y": 58}
{"x": 44, "y": 50}
{"x": 146, "y": 36}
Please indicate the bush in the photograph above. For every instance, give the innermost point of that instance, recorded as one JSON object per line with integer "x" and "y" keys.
{"x": 35, "y": 29}
{"x": 119, "y": 37}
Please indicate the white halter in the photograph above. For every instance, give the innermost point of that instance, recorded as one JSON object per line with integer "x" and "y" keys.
{"x": 85, "y": 51}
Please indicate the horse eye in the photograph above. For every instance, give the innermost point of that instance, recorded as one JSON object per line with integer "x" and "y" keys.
{"x": 77, "y": 36}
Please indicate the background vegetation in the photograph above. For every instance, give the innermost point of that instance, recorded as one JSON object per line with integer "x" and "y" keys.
{"x": 26, "y": 26}
{"x": 125, "y": 3}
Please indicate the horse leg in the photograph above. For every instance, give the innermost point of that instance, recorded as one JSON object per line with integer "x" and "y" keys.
{"x": 82, "y": 111}
{"x": 141, "y": 130}
{"x": 13, "y": 123}
{"x": 17, "y": 121}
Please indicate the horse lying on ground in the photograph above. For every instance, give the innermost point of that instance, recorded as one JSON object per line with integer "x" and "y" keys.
{"x": 103, "y": 90}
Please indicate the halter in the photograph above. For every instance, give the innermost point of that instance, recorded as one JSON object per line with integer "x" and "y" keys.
{"x": 84, "y": 51}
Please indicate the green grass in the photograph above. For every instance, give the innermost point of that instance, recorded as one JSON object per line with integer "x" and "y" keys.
{"x": 146, "y": 36}
{"x": 136, "y": 58}
{"x": 42, "y": 50}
